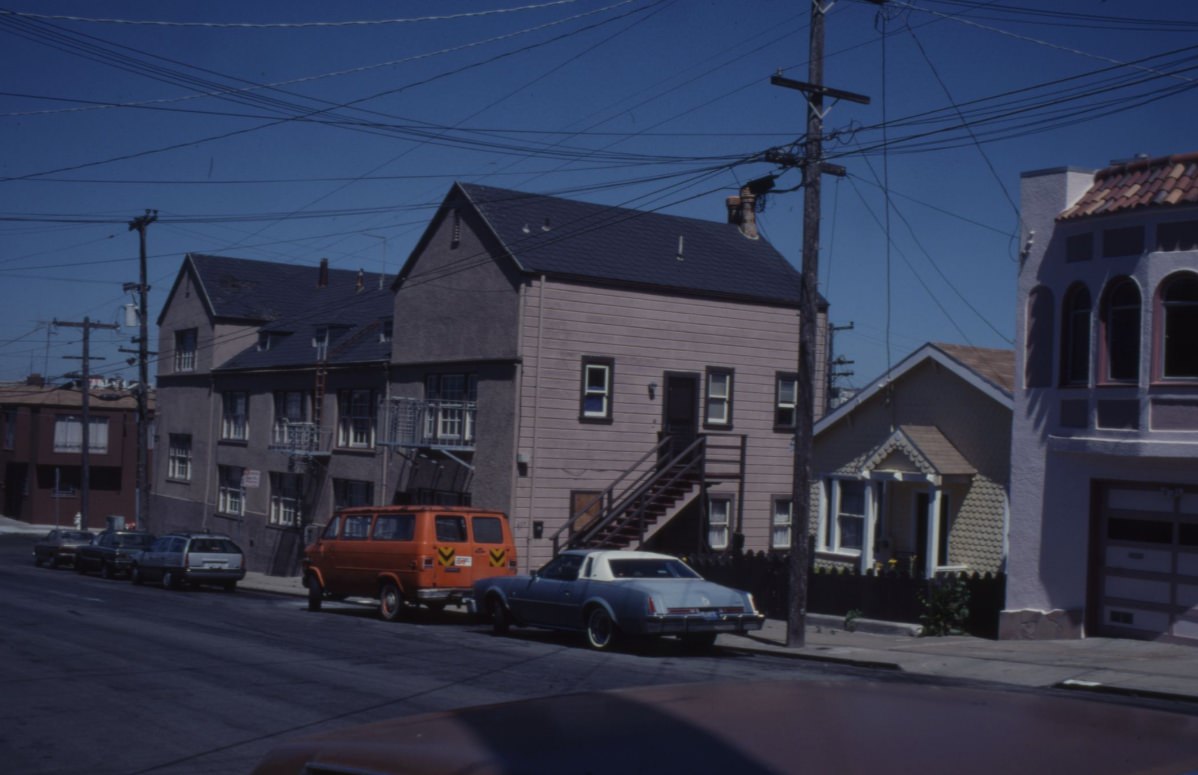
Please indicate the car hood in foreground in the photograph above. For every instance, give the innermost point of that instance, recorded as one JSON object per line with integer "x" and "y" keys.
{"x": 762, "y": 727}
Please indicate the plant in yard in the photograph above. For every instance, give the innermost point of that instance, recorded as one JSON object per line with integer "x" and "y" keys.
{"x": 945, "y": 607}
{"x": 850, "y": 619}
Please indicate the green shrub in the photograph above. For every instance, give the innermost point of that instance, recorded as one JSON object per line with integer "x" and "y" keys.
{"x": 945, "y": 607}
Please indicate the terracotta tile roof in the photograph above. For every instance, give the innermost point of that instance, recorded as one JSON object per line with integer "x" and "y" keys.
{"x": 994, "y": 365}
{"x": 1161, "y": 182}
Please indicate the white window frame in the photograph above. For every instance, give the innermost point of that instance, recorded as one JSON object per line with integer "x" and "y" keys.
{"x": 291, "y": 407}
{"x": 719, "y": 521}
{"x": 719, "y": 397}
{"x": 179, "y": 457}
{"x": 835, "y": 516}
{"x": 230, "y": 494}
{"x": 355, "y": 418}
{"x": 597, "y": 390}
{"x": 186, "y": 344}
{"x": 783, "y": 383}
{"x": 68, "y": 434}
{"x": 234, "y": 416}
{"x": 286, "y": 493}
{"x": 781, "y": 523}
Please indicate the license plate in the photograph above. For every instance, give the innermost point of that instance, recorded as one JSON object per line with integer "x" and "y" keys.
{"x": 214, "y": 564}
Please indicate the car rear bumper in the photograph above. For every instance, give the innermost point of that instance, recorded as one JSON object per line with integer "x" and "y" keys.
{"x": 213, "y": 575}
{"x": 701, "y": 623}
{"x": 444, "y": 595}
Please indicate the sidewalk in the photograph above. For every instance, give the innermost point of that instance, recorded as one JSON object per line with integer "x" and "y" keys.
{"x": 1114, "y": 665}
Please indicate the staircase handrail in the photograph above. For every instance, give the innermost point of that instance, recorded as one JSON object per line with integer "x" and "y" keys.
{"x": 607, "y": 494}
{"x": 642, "y": 486}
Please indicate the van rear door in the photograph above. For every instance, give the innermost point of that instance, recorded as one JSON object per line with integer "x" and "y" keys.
{"x": 453, "y": 562}
{"x": 494, "y": 550}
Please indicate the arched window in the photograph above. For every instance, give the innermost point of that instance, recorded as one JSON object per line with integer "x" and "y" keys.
{"x": 1037, "y": 363}
{"x": 1075, "y": 337}
{"x": 1121, "y": 330}
{"x": 1179, "y": 326}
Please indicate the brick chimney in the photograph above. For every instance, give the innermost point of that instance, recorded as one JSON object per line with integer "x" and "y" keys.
{"x": 322, "y": 280}
{"x": 741, "y": 212}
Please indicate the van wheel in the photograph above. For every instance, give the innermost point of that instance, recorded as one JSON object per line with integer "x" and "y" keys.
{"x": 601, "y": 630}
{"x": 315, "y": 594}
{"x": 501, "y": 622}
{"x": 390, "y": 601}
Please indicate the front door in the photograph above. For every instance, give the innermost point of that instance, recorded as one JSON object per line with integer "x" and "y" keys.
{"x": 680, "y": 412}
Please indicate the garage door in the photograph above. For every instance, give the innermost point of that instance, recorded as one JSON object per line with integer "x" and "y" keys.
{"x": 1148, "y": 579}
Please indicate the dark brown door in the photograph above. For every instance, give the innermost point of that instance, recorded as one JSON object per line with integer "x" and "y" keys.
{"x": 680, "y": 413}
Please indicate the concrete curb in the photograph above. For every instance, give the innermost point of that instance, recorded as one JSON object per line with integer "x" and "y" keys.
{"x": 773, "y": 649}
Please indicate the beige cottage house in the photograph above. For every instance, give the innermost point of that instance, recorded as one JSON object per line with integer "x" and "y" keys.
{"x": 913, "y": 471}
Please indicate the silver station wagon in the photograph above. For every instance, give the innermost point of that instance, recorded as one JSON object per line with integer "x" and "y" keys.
{"x": 606, "y": 594}
{"x": 182, "y": 559}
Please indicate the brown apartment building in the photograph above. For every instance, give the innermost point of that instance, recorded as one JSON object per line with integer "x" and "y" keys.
{"x": 41, "y": 453}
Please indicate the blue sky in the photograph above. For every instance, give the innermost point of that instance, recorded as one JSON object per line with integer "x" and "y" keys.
{"x": 292, "y": 131}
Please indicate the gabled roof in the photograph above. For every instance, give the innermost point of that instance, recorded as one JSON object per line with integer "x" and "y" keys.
{"x": 284, "y": 299}
{"x": 1161, "y": 182}
{"x": 568, "y": 239}
{"x": 990, "y": 370}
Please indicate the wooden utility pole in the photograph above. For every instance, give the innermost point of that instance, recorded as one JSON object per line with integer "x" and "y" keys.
{"x": 85, "y": 464}
{"x": 813, "y": 168}
{"x": 139, "y": 224}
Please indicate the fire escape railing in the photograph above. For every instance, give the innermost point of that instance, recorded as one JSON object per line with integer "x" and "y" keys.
{"x": 433, "y": 423}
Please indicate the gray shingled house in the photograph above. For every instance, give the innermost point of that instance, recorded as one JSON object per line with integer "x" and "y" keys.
{"x": 605, "y": 376}
{"x": 270, "y": 377}
{"x": 914, "y": 470}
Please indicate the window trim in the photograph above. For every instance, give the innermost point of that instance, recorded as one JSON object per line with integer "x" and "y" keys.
{"x": 775, "y": 501}
{"x": 346, "y": 419}
{"x": 1160, "y": 330}
{"x": 230, "y": 430}
{"x": 228, "y": 494}
{"x": 831, "y": 533}
{"x": 97, "y": 436}
{"x": 727, "y": 399}
{"x": 281, "y": 419}
{"x": 178, "y": 466}
{"x": 793, "y": 407}
{"x": 1107, "y": 331}
{"x": 286, "y": 505}
{"x": 185, "y": 356}
{"x": 727, "y": 501}
{"x": 608, "y": 394}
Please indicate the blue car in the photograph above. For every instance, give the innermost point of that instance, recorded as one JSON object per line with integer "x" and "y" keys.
{"x": 606, "y": 594}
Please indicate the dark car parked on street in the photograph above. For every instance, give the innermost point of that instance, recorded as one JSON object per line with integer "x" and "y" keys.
{"x": 111, "y": 552}
{"x": 182, "y": 559}
{"x": 59, "y": 546}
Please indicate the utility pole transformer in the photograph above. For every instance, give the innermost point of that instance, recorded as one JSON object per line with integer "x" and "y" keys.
{"x": 813, "y": 168}
{"x": 139, "y": 225}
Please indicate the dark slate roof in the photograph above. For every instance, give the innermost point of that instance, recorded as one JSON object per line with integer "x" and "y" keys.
{"x": 284, "y": 300}
{"x": 1162, "y": 182}
{"x": 580, "y": 240}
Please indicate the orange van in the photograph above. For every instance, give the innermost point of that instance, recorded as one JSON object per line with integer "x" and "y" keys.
{"x": 407, "y": 555}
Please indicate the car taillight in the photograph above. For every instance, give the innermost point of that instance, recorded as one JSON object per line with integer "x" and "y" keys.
{"x": 652, "y": 607}
{"x": 187, "y": 561}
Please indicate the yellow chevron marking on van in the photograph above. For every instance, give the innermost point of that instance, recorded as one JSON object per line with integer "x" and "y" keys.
{"x": 498, "y": 558}
{"x": 445, "y": 555}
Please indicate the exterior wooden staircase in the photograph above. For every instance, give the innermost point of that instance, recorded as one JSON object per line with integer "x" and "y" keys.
{"x": 661, "y": 482}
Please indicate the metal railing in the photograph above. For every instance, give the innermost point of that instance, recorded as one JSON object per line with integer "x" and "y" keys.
{"x": 435, "y": 423}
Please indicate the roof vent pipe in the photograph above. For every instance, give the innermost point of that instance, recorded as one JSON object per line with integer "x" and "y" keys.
{"x": 322, "y": 281}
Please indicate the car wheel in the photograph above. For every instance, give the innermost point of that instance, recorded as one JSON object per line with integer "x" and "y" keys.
{"x": 135, "y": 575}
{"x": 315, "y": 594}
{"x": 700, "y": 641}
{"x": 80, "y": 566}
{"x": 390, "y": 601}
{"x": 105, "y": 570}
{"x": 230, "y": 586}
{"x": 37, "y": 560}
{"x": 501, "y": 621}
{"x": 54, "y": 561}
{"x": 169, "y": 581}
{"x": 601, "y": 630}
